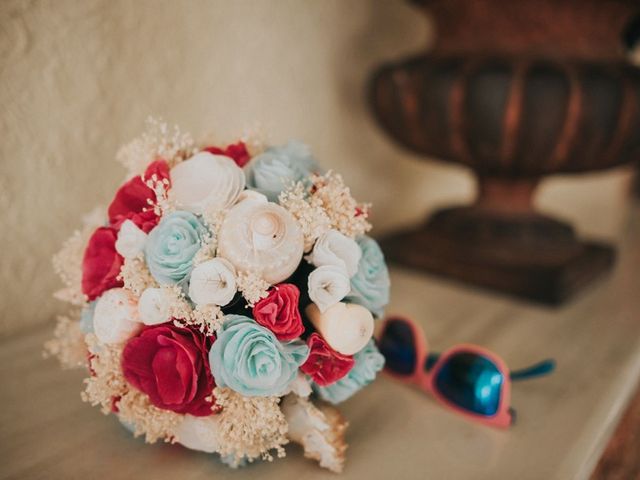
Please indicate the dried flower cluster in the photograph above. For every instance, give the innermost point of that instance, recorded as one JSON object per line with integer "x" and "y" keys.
{"x": 106, "y": 382}
{"x": 159, "y": 140}
{"x": 206, "y": 319}
{"x": 136, "y": 276}
{"x": 67, "y": 263}
{"x": 308, "y": 211}
{"x": 134, "y": 408}
{"x": 323, "y": 204}
{"x": 68, "y": 343}
{"x": 162, "y": 204}
{"x": 345, "y": 214}
{"x": 250, "y": 427}
{"x": 252, "y": 286}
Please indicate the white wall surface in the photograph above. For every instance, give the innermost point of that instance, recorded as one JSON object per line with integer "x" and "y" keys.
{"x": 78, "y": 78}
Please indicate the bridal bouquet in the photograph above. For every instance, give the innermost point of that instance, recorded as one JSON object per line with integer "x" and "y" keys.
{"x": 225, "y": 299}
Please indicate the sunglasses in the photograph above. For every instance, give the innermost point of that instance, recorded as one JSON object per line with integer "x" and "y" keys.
{"x": 466, "y": 378}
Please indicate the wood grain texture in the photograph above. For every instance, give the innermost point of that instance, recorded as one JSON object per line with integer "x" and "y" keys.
{"x": 564, "y": 420}
{"x": 621, "y": 460}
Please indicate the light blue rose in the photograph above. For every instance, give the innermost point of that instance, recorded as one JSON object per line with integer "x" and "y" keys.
{"x": 273, "y": 170}
{"x": 370, "y": 285}
{"x": 86, "y": 317}
{"x": 171, "y": 246}
{"x": 368, "y": 362}
{"x": 249, "y": 359}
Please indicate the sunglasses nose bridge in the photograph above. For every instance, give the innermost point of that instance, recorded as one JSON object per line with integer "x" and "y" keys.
{"x": 425, "y": 381}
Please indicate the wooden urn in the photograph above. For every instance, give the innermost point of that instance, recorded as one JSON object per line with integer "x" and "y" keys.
{"x": 516, "y": 91}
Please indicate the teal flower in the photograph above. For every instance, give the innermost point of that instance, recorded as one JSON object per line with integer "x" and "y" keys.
{"x": 273, "y": 170}
{"x": 171, "y": 246}
{"x": 369, "y": 362}
{"x": 370, "y": 285}
{"x": 249, "y": 359}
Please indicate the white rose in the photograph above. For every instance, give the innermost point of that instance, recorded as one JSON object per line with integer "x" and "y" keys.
{"x": 213, "y": 282}
{"x": 153, "y": 306}
{"x": 328, "y": 285}
{"x": 334, "y": 248}
{"x": 206, "y": 181}
{"x": 199, "y": 433}
{"x": 131, "y": 240}
{"x": 115, "y": 318}
{"x": 346, "y": 327}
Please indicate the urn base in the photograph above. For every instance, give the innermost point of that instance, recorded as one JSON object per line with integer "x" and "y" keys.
{"x": 530, "y": 256}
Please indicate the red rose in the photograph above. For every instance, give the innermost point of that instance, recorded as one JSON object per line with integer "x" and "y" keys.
{"x": 171, "y": 365}
{"x": 132, "y": 199}
{"x": 279, "y": 312}
{"x": 324, "y": 364}
{"x": 101, "y": 263}
{"x": 237, "y": 151}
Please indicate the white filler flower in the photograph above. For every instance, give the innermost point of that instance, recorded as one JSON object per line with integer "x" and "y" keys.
{"x": 328, "y": 285}
{"x": 213, "y": 283}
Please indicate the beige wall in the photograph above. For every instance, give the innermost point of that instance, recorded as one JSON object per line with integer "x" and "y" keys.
{"x": 78, "y": 78}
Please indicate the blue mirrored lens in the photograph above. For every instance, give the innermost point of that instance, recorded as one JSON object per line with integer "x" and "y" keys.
{"x": 471, "y": 382}
{"x": 398, "y": 347}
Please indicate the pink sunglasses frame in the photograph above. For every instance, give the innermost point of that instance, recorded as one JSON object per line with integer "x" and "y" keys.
{"x": 425, "y": 380}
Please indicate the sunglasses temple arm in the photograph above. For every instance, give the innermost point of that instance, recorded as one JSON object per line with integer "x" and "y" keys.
{"x": 542, "y": 368}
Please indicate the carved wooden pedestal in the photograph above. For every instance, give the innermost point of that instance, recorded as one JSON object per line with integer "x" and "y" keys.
{"x": 515, "y": 91}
